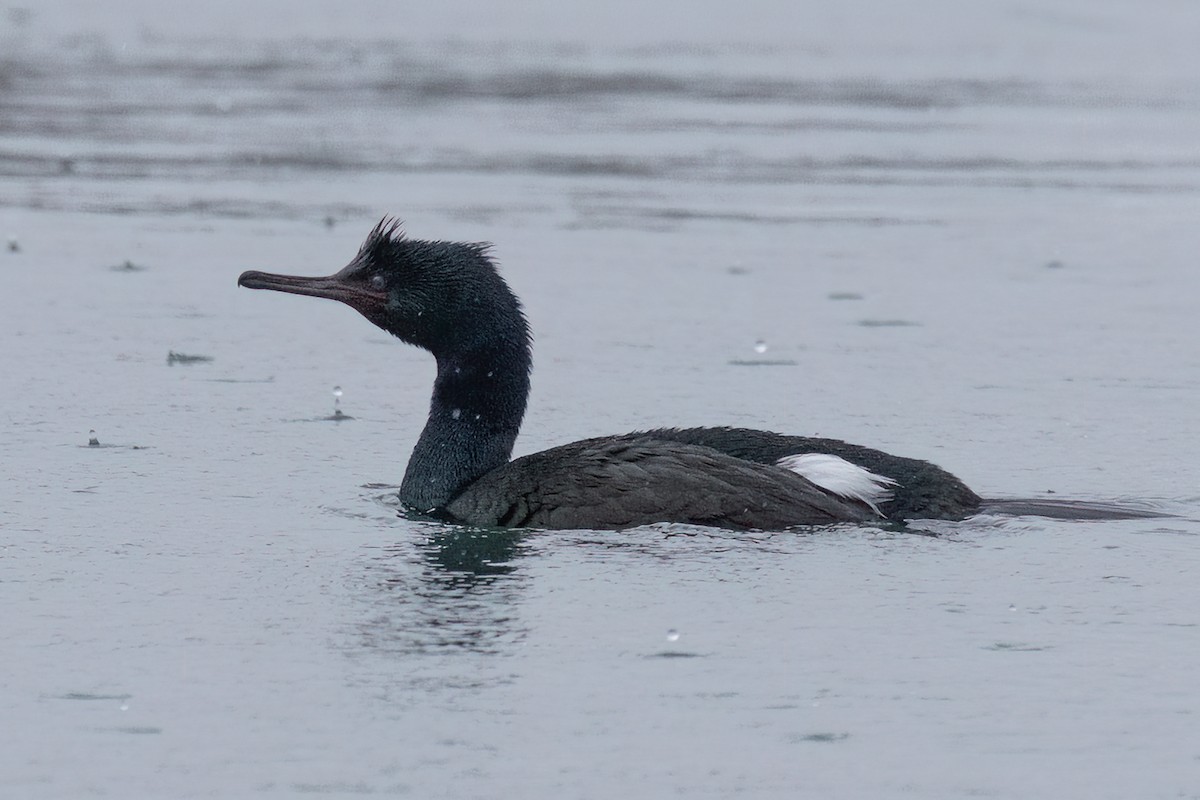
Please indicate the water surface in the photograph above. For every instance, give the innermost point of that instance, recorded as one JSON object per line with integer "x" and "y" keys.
{"x": 958, "y": 235}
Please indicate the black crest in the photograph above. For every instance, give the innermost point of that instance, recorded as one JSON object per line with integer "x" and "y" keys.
{"x": 388, "y": 231}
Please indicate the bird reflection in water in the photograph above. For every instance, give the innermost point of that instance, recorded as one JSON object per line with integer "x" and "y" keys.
{"x": 458, "y": 589}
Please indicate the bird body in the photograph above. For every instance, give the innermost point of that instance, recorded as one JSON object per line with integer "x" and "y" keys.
{"x": 624, "y": 481}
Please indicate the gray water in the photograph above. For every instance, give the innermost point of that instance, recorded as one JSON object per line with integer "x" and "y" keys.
{"x": 964, "y": 234}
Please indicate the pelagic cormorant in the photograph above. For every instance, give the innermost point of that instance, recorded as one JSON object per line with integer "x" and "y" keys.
{"x": 448, "y": 298}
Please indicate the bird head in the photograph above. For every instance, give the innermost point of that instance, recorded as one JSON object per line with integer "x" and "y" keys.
{"x": 446, "y": 297}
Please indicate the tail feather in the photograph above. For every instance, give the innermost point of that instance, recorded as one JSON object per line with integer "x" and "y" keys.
{"x": 1066, "y": 509}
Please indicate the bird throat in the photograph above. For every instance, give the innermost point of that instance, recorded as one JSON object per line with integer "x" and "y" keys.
{"x": 474, "y": 416}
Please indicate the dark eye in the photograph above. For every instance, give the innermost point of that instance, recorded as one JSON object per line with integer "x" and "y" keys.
{"x": 378, "y": 282}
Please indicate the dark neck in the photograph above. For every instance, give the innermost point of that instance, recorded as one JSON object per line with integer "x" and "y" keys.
{"x": 474, "y": 416}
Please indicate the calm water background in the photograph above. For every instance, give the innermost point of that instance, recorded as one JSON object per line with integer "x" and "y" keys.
{"x": 970, "y": 234}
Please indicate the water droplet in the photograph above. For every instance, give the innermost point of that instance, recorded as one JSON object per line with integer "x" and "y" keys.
{"x": 124, "y": 706}
{"x": 491, "y": 373}
{"x": 456, "y": 413}
{"x": 1012, "y": 608}
{"x": 760, "y": 346}
{"x": 92, "y": 440}
{"x": 672, "y": 635}
{"x": 337, "y": 404}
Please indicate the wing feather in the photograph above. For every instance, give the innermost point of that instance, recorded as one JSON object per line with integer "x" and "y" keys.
{"x": 628, "y": 481}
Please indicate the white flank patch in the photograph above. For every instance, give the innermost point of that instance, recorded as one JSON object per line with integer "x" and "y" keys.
{"x": 839, "y": 476}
